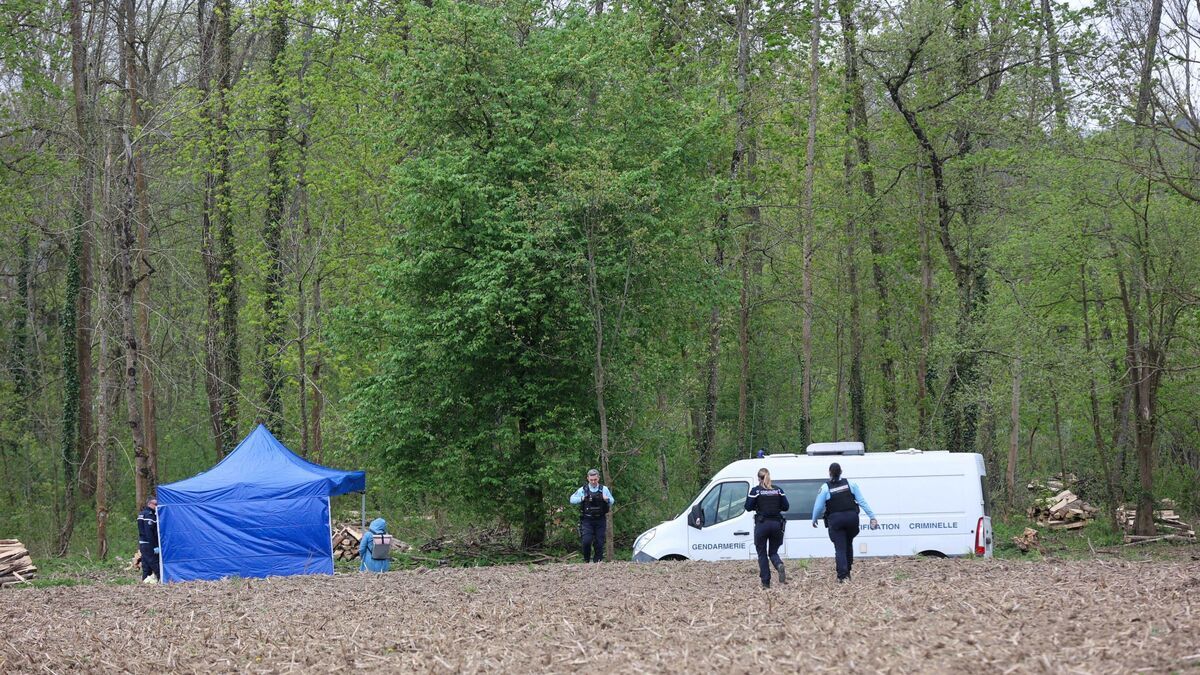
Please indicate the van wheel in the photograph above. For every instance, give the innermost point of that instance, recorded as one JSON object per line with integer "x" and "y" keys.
{"x": 932, "y": 554}
{"x": 672, "y": 557}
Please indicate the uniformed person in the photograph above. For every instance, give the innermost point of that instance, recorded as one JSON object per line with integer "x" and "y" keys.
{"x": 839, "y": 501}
{"x": 768, "y": 502}
{"x": 147, "y": 522}
{"x": 594, "y": 502}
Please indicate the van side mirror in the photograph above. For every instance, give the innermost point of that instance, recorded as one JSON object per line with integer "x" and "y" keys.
{"x": 696, "y": 517}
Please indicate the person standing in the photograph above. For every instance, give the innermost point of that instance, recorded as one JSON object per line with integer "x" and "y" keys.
{"x": 768, "y": 502}
{"x": 376, "y": 555}
{"x": 839, "y": 501}
{"x": 594, "y": 502}
{"x": 147, "y": 522}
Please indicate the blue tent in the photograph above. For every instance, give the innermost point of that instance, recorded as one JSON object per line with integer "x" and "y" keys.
{"x": 262, "y": 511}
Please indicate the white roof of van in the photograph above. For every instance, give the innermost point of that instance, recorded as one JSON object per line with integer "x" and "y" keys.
{"x": 786, "y": 465}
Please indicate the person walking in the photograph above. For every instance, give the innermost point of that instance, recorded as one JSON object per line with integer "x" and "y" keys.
{"x": 768, "y": 502}
{"x": 375, "y": 549}
{"x": 147, "y": 522}
{"x": 839, "y": 501}
{"x": 594, "y": 501}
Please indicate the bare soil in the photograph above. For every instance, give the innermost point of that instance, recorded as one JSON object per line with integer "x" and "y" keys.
{"x": 897, "y": 616}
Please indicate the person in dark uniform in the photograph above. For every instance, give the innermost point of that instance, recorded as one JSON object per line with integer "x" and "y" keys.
{"x": 768, "y": 502}
{"x": 147, "y": 522}
{"x": 839, "y": 501}
{"x": 594, "y": 502}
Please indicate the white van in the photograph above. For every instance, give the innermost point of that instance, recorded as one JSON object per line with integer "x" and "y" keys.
{"x": 930, "y": 503}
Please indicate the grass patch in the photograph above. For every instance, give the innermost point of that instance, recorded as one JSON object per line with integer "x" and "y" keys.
{"x": 1095, "y": 539}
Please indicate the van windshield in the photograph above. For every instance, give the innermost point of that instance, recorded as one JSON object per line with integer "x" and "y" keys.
{"x": 801, "y": 494}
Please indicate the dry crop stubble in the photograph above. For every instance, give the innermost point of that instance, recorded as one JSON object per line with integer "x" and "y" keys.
{"x": 905, "y": 615}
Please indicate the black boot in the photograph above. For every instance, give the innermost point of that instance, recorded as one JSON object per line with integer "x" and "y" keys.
{"x": 782, "y": 574}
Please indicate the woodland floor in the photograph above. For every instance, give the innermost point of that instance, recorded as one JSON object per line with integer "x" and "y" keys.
{"x": 904, "y": 615}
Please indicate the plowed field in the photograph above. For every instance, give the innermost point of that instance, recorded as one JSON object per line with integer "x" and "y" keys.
{"x": 908, "y": 615}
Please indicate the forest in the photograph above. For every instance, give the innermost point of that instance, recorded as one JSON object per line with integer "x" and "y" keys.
{"x": 478, "y": 247}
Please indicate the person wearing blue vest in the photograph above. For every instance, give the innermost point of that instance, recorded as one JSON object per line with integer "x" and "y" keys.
{"x": 594, "y": 502}
{"x": 769, "y": 503}
{"x": 366, "y": 549}
{"x": 839, "y": 501}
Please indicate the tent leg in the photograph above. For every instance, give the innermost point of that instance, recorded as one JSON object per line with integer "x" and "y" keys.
{"x": 363, "y": 511}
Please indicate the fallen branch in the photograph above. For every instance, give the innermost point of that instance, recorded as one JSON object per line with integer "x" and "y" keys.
{"x": 1136, "y": 540}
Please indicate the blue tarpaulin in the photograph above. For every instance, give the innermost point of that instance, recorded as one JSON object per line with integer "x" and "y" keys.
{"x": 262, "y": 511}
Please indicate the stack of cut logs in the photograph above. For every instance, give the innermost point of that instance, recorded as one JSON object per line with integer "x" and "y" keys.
{"x": 15, "y": 564}
{"x": 1063, "y": 511}
{"x": 345, "y": 543}
{"x": 1167, "y": 524}
{"x": 1054, "y": 484}
{"x": 1028, "y": 540}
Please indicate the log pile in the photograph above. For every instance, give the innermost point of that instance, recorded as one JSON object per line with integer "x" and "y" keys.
{"x": 16, "y": 566}
{"x": 345, "y": 543}
{"x": 1028, "y": 540}
{"x": 1063, "y": 511}
{"x": 347, "y": 538}
{"x": 1055, "y": 484}
{"x": 1167, "y": 524}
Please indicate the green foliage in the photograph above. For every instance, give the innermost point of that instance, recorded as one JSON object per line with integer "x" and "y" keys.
{"x": 487, "y": 210}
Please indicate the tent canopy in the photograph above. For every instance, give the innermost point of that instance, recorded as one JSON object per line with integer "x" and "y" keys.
{"x": 261, "y": 467}
{"x": 262, "y": 511}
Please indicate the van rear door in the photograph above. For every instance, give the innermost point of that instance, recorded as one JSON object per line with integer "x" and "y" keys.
{"x": 984, "y": 537}
{"x": 726, "y": 531}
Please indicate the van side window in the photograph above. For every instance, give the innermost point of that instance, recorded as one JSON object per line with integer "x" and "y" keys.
{"x": 724, "y": 502}
{"x": 800, "y": 494}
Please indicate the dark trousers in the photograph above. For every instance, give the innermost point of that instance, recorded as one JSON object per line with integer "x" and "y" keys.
{"x": 591, "y": 535}
{"x": 149, "y": 560}
{"x": 843, "y": 528}
{"x": 768, "y": 537}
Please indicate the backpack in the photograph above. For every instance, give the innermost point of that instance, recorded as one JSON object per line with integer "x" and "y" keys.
{"x": 381, "y": 546}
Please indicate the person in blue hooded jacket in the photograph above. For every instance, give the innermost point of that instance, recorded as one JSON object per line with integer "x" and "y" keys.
{"x": 366, "y": 549}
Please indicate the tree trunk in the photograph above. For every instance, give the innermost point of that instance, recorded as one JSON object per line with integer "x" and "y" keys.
{"x": 810, "y": 164}
{"x": 857, "y": 125}
{"x": 1058, "y": 436}
{"x": 221, "y": 341}
{"x": 858, "y": 413}
{"x": 743, "y": 349}
{"x": 144, "y": 477}
{"x": 961, "y": 417}
{"x": 1145, "y": 355}
{"x": 143, "y": 271}
{"x": 533, "y": 520}
{"x": 318, "y": 400}
{"x": 229, "y": 289}
{"x": 1145, "y": 79}
{"x": 924, "y": 432}
{"x": 599, "y": 374}
{"x": 78, "y": 431}
{"x": 740, "y": 176}
{"x": 272, "y": 233}
{"x": 1102, "y": 450}
{"x": 82, "y": 95}
{"x": 71, "y": 396}
{"x": 1014, "y": 435}
{"x": 108, "y": 374}
{"x": 1060, "y": 101}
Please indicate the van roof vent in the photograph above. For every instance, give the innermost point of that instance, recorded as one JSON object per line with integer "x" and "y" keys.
{"x": 782, "y": 454}
{"x": 910, "y": 451}
{"x": 841, "y": 448}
